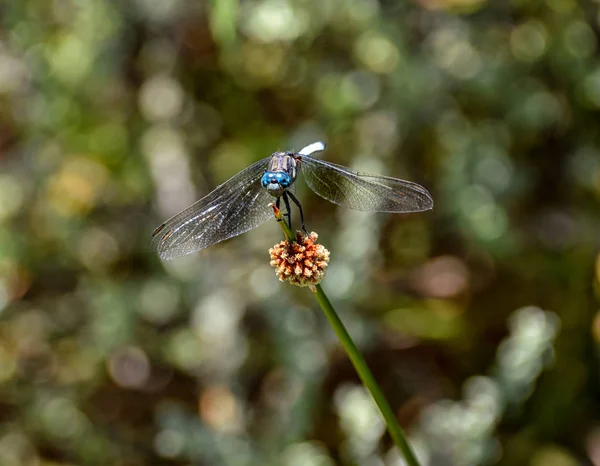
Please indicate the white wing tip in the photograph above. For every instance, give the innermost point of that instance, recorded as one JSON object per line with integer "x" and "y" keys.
{"x": 311, "y": 148}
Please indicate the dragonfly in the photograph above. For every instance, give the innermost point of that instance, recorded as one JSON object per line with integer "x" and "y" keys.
{"x": 244, "y": 201}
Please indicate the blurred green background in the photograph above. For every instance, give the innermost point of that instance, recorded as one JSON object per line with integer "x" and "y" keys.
{"x": 479, "y": 319}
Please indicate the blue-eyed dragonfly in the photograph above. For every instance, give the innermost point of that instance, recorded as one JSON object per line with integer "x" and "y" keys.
{"x": 242, "y": 202}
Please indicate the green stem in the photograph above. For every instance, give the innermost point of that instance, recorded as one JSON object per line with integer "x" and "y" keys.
{"x": 287, "y": 231}
{"x": 358, "y": 361}
{"x": 367, "y": 377}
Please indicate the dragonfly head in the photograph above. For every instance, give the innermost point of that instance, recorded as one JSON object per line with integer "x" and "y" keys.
{"x": 276, "y": 182}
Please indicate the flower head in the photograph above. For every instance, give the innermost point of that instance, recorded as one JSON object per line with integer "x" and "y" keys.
{"x": 301, "y": 262}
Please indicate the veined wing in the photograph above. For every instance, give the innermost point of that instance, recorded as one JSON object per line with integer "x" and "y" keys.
{"x": 236, "y": 206}
{"x": 362, "y": 191}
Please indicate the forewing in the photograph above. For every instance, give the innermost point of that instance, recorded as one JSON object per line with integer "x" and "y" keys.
{"x": 362, "y": 191}
{"x": 236, "y": 206}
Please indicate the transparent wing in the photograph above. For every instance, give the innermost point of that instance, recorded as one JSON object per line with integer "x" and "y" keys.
{"x": 236, "y": 206}
{"x": 362, "y": 191}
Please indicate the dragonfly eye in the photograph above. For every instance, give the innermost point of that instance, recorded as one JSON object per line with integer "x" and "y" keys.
{"x": 284, "y": 180}
{"x": 264, "y": 181}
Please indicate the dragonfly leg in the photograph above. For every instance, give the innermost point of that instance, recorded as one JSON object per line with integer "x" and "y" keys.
{"x": 297, "y": 202}
{"x": 287, "y": 206}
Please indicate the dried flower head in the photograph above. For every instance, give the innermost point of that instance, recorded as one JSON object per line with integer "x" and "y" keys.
{"x": 301, "y": 262}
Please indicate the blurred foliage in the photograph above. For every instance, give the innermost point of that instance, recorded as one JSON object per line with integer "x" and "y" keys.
{"x": 116, "y": 115}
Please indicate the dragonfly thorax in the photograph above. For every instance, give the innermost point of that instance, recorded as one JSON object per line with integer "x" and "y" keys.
{"x": 280, "y": 173}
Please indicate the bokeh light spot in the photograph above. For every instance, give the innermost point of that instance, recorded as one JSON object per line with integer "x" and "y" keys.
{"x": 442, "y": 277}
{"x": 109, "y": 138}
{"x": 377, "y": 53}
{"x": 274, "y": 20}
{"x": 166, "y": 151}
{"x": 97, "y": 248}
{"x": 592, "y": 443}
{"x": 596, "y": 321}
{"x": 159, "y": 301}
{"x": 489, "y": 221}
{"x": 16, "y": 449}
{"x": 562, "y": 6}
{"x": 129, "y": 367}
{"x": 265, "y": 63}
{"x": 76, "y": 187}
{"x": 161, "y": 98}
{"x": 591, "y": 87}
{"x": 306, "y": 454}
{"x": 185, "y": 350}
{"x": 71, "y": 58}
{"x": 62, "y": 419}
{"x": 494, "y": 169}
{"x": 528, "y": 41}
{"x": 340, "y": 278}
{"x": 7, "y": 363}
{"x": 159, "y": 11}
{"x": 218, "y": 407}
{"x": 169, "y": 443}
{"x": 584, "y": 165}
{"x": 554, "y": 455}
{"x": 361, "y": 88}
{"x": 14, "y": 75}
{"x": 580, "y": 39}
{"x": 455, "y": 54}
{"x": 12, "y": 196}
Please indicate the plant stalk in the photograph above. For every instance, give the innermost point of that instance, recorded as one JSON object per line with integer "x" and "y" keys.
{"x": 358, "y": 361}
{"x": 367, "y": 377}
{"x": 287, "y": 231}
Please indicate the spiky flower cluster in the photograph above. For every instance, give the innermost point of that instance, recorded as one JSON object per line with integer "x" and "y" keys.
{"x": 301, "y": 262}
